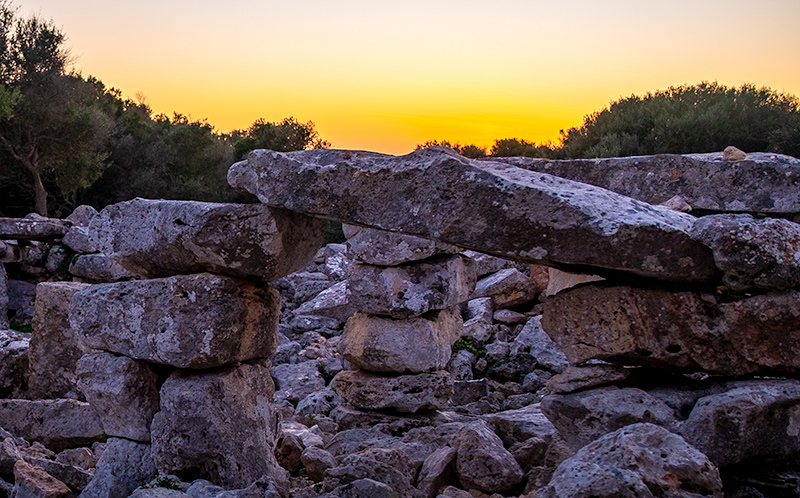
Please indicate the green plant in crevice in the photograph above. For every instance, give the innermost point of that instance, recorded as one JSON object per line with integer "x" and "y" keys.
{"x": 469, "y": 344}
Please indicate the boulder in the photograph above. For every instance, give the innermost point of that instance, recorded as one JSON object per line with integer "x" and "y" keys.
{"x": 575, "y": 377}
{"x": 39, "y": 228}
{"x": 186, "y": 321}
{"x": 372, "y": 478}
{"x": 34, "y": 482}
{"x": 380, "y": 344}
{"x": 334, "y": 302}
{"x": 82, "y": 215}
{"x": 764, "y": 182}
{"x": 73, "y": 477}
{"x": 378, "y": 247}
{"x": 507, "y": 288}
{"x": 532, "y": 340}
{"x": 585, "y": 416}
{"x": 56, "y": 423}
{"x": 122, "y": 390}
{"x": 295, "y": 381}
{"x": 98, "y": 268}
{"x": 365, "y": 488}
{"x": 487, "y": 206}
{"x": 316, "y": 461}
{"x": 763, "y": 254}
{"x": 637, "y": 460}
{"x": 157, "y": 238}
{"x": 402, "y": 393}
{"x": 482, "y": 462}
{"x": 516, "y": 426}
{"x": 123, "y": 467}
{"x": 3, "y": 298}
{"x": 437, "y": 471}
{"x": 754, "y": 419}
{"x": 21, "y": 301}
{"x": 14, "y": 351}
{"x": 411, "y": 289}
{"x": 216, "y": 425}
{"x": 54, "y": 348}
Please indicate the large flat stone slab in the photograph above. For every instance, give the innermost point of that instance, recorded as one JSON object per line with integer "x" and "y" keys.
{"x": 487, "y": 206}
{"x": 56, "y": 423}
{"x": 158, "y": 238}
{"x": 187, "y": 321}
{"x": 763, "y": 182}
{"x": 43, "y": 229}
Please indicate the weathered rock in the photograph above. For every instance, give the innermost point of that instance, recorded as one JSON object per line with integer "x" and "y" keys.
{"x": 34, "y": 482}
{"x": 75, "y": 478}
{"x": 533, "y": 340}
{"x": 316, "y": 461}
{"x": 295, "y": 381}
{"x": 333, "y": 301}
{"x": 123, "y": 467}
{"x": 54, "y": 348}
{"x": 403, "y": 393}
{"x": 560, "y": 280}
{"x": 732, "y": 153}
{"x": 21, "y": 299}
{"x": 14, "y": 351}
{"x": 3, "y": 298}
{"x": 82, "y": 216}
{"x": 98, "y": 268}
{"x": 43, "y": 229}
{"x": 362, "y": 467}
{"x": 752, "y": 253}
{"x": 575, "y": 378}
{"x": 652, "y": 327}
{"x": 412, "y": 289}
{"x": 82, "y": 458}
{"x": 487, "y": 206}
{"x": 637, "y": 460}
{"x": 56, "y": 423}
{"x": 161, "y": 238}
{"x": 378, "y": 247}
{"x": 509, "y": 317}
{"x": 764, "y": 182}
{"x": 364, "y": 488}
{"x": 515, "y": 426}
{"x": 158, "y": 493}
{"x": 486, "y": 264}
{"x": 415, "y": 345}
{"x": 316, "y": 404}
{"x": 482, "y": 462}
{"x": 507, "y": 288}
{"x": 437, "y": 471}
{"x": 123, "y": 391}
{"x": 753, "y": 419}
{"x": 585, "y": 416}
{"x": 216, "y": 425}
{"x": 187, "y": 321}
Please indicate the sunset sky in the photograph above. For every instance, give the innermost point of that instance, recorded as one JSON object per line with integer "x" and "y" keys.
{"x": 385, "y": 76}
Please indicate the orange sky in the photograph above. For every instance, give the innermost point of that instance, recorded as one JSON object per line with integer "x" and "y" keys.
{"x": 385, "y": 76}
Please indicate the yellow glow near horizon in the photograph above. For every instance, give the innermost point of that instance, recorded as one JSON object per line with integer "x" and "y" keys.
{"x": 384, "y": 77}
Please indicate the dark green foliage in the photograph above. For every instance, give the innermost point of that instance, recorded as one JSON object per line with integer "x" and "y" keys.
{"x": 285, "y": 136}
{"x": 515, "y": 147}
{"x": 687, "y": 119}
{"x": 469, "y": 344}
{"x": 471, "y": 151}
{"x": 20, "y": 327}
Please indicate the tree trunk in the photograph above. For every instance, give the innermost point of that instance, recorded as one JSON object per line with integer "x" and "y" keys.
{"x": 39, "y": 194}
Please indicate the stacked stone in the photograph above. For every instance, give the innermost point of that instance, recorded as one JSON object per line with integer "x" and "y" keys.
{"x": 180, "y": 373}
{"x": 406, "y": 290}
{"x": 717, "y": 366}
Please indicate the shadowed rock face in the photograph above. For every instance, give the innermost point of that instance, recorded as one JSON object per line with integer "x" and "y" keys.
{"x": 487, "y": 206}
{"x": 763, "y": 182}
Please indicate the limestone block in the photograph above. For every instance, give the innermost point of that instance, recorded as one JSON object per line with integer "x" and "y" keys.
{"x": 507, "y": 288}
{"x": 411, "y": 345}
{"x": 54, "y": 348}
{"x": 488, "y": 206}
{"x": 30, "y": 482}
{"x": 98, "y": 268}
{"x": 403, "y": 393}
{"x": 56, "y": 423}
{"x": 122, "y": 390}
{"x": 482, "y": 462}
{"x": 157, "y": 238}
{"x": 217, "y": 425}
{"x": 187, "y": 321}
{"x": 42, "y": 229}
{"x": 413, "y": 289}
{"x": 123, "y": 467}
{"x": 14, "y": 351}
{"x": 3, "y": 298}
{"x": 381, "y": 248}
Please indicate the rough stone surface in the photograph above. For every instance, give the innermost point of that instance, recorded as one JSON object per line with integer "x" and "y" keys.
{"x": 123, "y": 467}
{"x": 585, "y": 416}
{"x": 98, "y": 268}
{"x": 414, "y": 345}
{"x": 122, "y": 390}
{"x": 316, "y": 461}
{"x": 21, "y": 301}
{"x": 482, "y": 462}
{"x": 78, "y": 239}
{"x": 403, "y": 393}
{"x": 753, "y": 419}
{"x": 378, "y": 247}
{"x": 534, "y": 341}
{"x": 764, "y": 182}
{"x": 216, "y": 425}
{"x": 515, "y": 426}
{"x": 507, "y": 288}
{"x": 157, "y": 238}
{"x": 487, "y": 206}
{"x": 295, "y": 381}
{"x": 640, "y": 460}
{"x": 14, "y": 350}
{"x": 43, "y": 229}
{"x": 412, "y": 289}
{"x": 187, "y": 321}
{"x": 54, "y": 348}
{"x": 376, "y": 474}
{"x": 82, "y": 215}
{"x": 333, "y": 302}
{"x": 575, "y": 378}
{"x": 732, "y": 153}
{"x": 56, "y": 423}
{"x": 34, "y": 482}
{"x": 558, "y": 280}
{"x": 3, "y": 298}
{"x": 652, "y": 327}
{"x": 752, "y": 253}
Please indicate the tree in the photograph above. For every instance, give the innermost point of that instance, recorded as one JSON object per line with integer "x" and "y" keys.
{"x": 514, "y": 147}
{"x": 51, "y": 126}
{"x": 288, "y": 135}
{"x": 705, "y": 117}
{"x": 471, "y": 151}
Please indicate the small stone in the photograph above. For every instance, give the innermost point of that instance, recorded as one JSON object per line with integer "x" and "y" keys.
{"x": 123, "y": 467}
{"x": 334, "y": 302}
{"x": 295, "y": 381}
{"x": 316, "y": 461}
{"x": 14, "y": 358}
{"x": 507, "y": 288}
{"x": 731, "y": 153}
{"x": 33, "y": 482}
{"x": 437, "y": 470}
{"x": 509, "y": 317}
{"x": 403, "y": 393}
{"x": 576, "y": 378}
{"x": 98, "y": 268}
{"x": 482, "y": 462}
